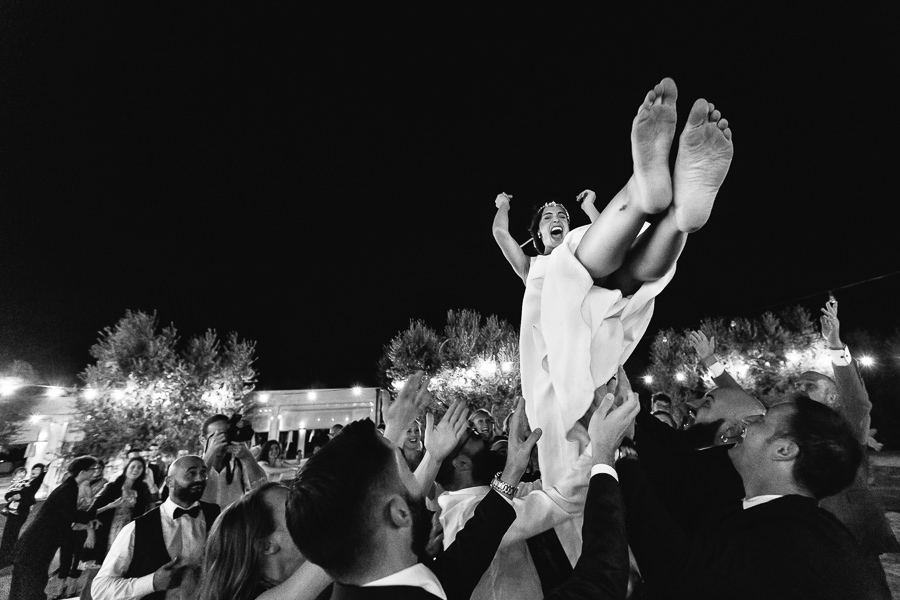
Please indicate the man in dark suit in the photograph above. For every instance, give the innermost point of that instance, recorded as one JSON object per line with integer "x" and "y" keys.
{"x": 776, "y": 543}
{"x": 158, "y": 555}
{"x": 354, "y": 510}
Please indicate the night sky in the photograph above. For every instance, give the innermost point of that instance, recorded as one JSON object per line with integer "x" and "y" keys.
{"x": 314, "y": 181}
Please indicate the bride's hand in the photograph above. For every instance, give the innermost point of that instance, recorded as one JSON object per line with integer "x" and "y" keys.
{"x": 502, "y": 200}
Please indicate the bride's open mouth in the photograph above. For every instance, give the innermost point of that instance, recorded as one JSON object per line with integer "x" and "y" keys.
{"x": 556, "y": 231}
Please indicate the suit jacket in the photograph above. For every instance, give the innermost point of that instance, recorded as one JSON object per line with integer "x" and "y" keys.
{"x": 459, "y": 567}
{"x": 786, "y": 548}
{"x": 602, "y": 570}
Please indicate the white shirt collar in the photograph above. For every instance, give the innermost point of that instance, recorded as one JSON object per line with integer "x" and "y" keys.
{"x": 168, "y": 507}
{"x": 417, "y": 575}
{"x": 449, "y": 499}
{"x": 757, "y": 500}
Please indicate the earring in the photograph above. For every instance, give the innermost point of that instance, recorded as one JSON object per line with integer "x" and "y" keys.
{"x": 539, "y": 234}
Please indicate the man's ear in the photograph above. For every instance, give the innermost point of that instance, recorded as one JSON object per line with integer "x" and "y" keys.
{"x": 462, "y": 463}
{"x": 398, "y": 512}
{"x": 785, "y": 449}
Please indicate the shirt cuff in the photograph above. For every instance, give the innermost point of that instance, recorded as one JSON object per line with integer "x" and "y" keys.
{"x": 840, "y": 357}
{"x": 143, "y": 586}
{"x": 504, "y": 496}
{"x": 716, "y": 369}
{"x": 601, "y": 468}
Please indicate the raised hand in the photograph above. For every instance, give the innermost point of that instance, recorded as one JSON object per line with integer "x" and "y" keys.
{"x": 502, "y": 200}
{"x": 519, "y": 447}
{"x": 703, "y": 346}
{"x": 610, "y": 424}
{"x": 215, "y": 445}
{"x": 412, "y": 399}
{"x": 587, "y": 198}
{"x": 831, "y": 326}
{"x": 441, "y": 439}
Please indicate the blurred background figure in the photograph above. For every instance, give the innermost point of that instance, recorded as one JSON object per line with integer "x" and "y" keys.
{"x": 19, "y": 500}
{"x": 271, "y": 459}
{"x": 412, "y": 448}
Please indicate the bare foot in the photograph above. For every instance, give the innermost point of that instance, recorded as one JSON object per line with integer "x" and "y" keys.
{"x": 704, "y": 155}
{"x": 651, "y": 140}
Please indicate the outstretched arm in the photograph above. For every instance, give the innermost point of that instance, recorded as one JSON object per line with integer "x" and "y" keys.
{"x": 853, "y": 399}
{"x": 706, "y": 352}
{"x": 440, "y": 441}
{"x": 412, "y": 399}
{"x": 587, "y": 199}
{"x": 460, "y": 567}
{"x": 507, "y": 242}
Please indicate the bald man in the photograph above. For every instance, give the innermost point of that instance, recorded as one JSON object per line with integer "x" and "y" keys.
{"x": 158, "y": 555}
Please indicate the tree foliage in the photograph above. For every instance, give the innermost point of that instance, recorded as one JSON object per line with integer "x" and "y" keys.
{"x": 765, "y": 355}
{"x": 473, "y": 358}
{"x": 150, "y": 386}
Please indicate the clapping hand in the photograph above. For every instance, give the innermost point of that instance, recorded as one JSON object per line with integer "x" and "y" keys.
{"x": 703, "y": 346}
{"x": 412, "y": 399}
{"x": 441, "y": 439}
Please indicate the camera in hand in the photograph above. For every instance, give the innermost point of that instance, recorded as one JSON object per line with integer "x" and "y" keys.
{"x": 237, "y": 432}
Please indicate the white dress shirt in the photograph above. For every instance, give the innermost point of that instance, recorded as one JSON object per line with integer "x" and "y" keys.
{"x": 417, "y": 575}
{"x": 512, "y": 573}
{"x": 184, "y": 537}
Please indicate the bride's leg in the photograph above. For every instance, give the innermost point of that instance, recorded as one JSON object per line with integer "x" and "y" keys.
{"x": 604, "y": 246}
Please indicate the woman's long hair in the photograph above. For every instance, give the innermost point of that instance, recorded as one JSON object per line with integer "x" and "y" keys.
{"x": 233, "y": 559}
{"x": 113, "y": 491}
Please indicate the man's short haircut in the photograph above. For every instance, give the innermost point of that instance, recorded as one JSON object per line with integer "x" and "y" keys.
{"x": 814, "y": 376}
{"x": 330, "y": 510}
{"x": 445, "y": 471}
{"x": 829, "y": 453}
{"x": 82, "y": 463}
{"x": 661, "y": 397}
{"x": 210, "y": 421}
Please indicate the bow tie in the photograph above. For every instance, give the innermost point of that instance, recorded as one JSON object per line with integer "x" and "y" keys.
{"x": 191, "y": 512}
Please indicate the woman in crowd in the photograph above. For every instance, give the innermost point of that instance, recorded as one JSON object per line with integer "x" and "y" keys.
{"x": 122, "y": 500}
{"x": 249, "y": 550}
{"x": 45, "y": 535}
{"x": 19, "y": 500}
{"x": 272, "y": 462}
{"x": 412, "y": 446}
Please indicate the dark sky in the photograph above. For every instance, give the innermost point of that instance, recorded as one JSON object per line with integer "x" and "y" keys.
{"x": 313, "y": 181}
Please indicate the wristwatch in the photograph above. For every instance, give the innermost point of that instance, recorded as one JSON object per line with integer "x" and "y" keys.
{"x": 502, "y": 487}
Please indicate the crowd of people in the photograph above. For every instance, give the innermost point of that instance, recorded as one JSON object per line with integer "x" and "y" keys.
{"x": 577, "y": 494}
